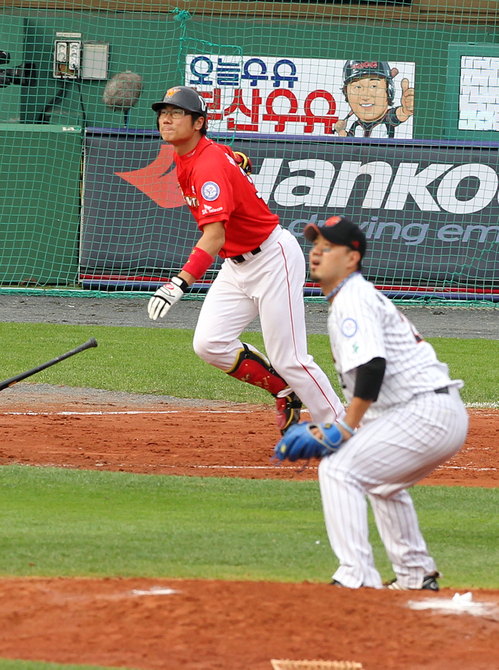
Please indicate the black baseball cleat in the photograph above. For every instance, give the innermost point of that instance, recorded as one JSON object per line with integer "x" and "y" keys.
{"x": 288, "y": 411}
{"x": 429, "y": 584}
{"x": 335, "y": 582}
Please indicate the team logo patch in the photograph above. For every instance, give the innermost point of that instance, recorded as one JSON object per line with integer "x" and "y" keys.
{"x": 349, "y": 327}
{"x": 210, "y": 190}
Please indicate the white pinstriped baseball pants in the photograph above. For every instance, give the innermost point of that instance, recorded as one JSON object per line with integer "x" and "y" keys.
{"x": 268, "y": 285}
{"x": 379, "y": 462}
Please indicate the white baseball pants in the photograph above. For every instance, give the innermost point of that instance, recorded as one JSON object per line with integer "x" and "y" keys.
{"x": 379, "y": 462}
{"x": 270, "y": 285}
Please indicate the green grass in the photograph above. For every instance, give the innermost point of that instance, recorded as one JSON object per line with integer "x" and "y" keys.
{"x": 153, "y": 360}
{"x": 77, "y": 523}
{"x": 8, "y": 664}
{"x": 70, "y": 522}
{"x": 475, "y": 361}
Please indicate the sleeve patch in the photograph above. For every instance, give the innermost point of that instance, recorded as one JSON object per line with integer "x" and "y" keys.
{"x": 210, "y": 190}
{"x": 349, "y": 327}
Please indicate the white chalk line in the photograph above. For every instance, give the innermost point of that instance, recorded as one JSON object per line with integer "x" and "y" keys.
{"x": 184, "y": 466}
{"x": 483, "y": 405}
{"x": 309, "y": 467}
{"x": 233, "y": 467}
{"x": 131, "y": 412}
{"x": 175, "y": 467}
{"x": 179, "y": 411}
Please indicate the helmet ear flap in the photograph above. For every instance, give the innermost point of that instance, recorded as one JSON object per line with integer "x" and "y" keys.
{"x": 344, "y": 91}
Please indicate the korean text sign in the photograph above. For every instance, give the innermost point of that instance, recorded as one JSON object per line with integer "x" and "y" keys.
{"x": 303, "y": 96}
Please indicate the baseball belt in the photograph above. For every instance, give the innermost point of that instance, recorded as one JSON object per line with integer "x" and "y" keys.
{"x": 240, "y": 259}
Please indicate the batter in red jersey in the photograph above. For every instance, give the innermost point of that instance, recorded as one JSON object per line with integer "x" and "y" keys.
{"x": 262, "y": 275}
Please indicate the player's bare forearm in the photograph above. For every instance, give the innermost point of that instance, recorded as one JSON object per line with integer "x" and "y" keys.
{"x": 211, "y": 241}
{"x": 356, "y": 410}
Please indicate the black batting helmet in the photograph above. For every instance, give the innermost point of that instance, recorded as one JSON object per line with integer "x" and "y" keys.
{"x": 185, "y": 98}
{"x": 355, "y": 69}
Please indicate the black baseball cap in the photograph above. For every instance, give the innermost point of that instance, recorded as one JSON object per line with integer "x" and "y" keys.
{"x": 338, "y": 230}
{"x": 183, "y": 97}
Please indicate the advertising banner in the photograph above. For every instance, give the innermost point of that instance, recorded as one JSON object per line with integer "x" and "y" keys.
{"x": 430, "y": 213}
{"x": 304, "y": 96}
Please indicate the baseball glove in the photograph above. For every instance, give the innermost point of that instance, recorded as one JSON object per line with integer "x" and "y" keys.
{"x": 243, "y": 161}
{"x": 300, "y": 442}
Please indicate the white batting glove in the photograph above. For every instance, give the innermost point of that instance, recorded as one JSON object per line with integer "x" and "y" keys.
{"x": 165, "y": 297}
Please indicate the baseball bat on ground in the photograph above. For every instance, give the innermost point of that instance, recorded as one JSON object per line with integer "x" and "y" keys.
{"x": 92, "y": 342}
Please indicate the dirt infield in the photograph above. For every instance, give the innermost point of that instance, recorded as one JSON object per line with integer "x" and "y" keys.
{"x": 168, "y": 438}
{"x": 209, "y": 625}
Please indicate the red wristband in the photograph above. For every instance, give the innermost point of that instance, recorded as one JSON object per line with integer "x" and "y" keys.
{"x": 198, "y": 262}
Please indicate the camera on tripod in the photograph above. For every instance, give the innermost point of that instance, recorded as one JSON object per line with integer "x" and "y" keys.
{"x": 22, "y": 75}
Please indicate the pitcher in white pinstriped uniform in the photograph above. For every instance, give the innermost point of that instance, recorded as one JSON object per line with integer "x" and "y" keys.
{"x": 405, "y": 417}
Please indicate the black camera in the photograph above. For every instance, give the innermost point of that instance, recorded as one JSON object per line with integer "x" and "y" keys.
{"x": 22, "y": 75}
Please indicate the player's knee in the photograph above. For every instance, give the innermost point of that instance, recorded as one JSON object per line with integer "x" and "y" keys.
{"x": 206, "y": 350}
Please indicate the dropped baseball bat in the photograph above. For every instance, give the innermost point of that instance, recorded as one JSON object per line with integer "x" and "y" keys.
{"x": 92, "y": 342}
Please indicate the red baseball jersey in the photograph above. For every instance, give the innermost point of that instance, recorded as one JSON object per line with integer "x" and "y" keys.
{"x": 216, "y": 189}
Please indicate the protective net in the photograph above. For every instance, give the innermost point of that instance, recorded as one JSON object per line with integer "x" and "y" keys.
{"x": 387, "y": 112}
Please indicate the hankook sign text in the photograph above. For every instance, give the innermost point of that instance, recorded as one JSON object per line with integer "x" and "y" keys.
{"x": 430, "y": 213}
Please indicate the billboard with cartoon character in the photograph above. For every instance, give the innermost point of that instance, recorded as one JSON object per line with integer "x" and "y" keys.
{"x": 283, "y": 97}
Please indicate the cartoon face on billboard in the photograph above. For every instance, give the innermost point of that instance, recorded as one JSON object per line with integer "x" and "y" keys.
{"x": 371, "y": 93}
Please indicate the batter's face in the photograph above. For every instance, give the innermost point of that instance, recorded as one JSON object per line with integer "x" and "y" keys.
{"x": 182, "y": 132}
{"x": 331, "y": 263}
{"x": 368, "y": 98}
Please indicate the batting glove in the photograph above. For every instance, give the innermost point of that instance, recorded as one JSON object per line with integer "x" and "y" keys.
{"x": 165, "y": 297}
